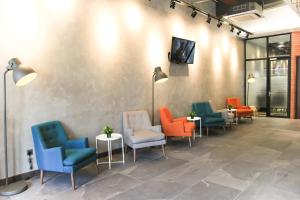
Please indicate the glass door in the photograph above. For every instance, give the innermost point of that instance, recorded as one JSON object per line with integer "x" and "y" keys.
{"x": 278, "y": 90}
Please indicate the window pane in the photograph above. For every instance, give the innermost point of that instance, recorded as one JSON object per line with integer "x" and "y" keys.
{"x": 279, "y": 45}
{"x": 256, "y": 48}
{"x": 256, "y": 91}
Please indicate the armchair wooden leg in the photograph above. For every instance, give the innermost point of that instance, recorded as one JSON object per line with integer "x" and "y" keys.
{"x": 42, "y": 176}
{"x": 134, "y": 155}
{"x": 206, "y": 131}
{"x": 190, "y": 143}
{"x": 73, "y": 180}
{"x": 126, "y": 146}
{"x": 163, "y": 150}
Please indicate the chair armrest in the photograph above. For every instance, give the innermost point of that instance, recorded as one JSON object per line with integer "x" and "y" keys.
{"x": 176, "y": 128}
{"x": 77, "y": 143}
{"x": 216, "y": 114}
{"x": 128, "y": 132}
{"x": 156, "y": 128}
{"x": 180, "y": 119}
{"x": 53, "y": 159}
{"x": 243, "y": 107}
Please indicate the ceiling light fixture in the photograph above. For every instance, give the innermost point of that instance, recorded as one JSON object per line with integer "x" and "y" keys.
{"x": 247, "y": 35}
{"x": 239, "y": 32}
{"x": 194, "y": 13}
{"x": 172, "y": 4}
{"x": 232, "y": 29}
{"x": 208, "y": 19}
{"x": 219, "y": 24}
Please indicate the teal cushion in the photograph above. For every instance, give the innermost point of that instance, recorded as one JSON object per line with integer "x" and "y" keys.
{"x": 74, "y": 156}
{"x": 210, "y": 120}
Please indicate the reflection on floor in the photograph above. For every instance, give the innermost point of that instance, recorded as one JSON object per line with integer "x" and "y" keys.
{"x": 252, "y": 161}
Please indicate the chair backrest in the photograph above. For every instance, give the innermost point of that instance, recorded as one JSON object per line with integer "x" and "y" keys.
{"x": 136, "y": 120}
{"x": 49, "y": 134}
{"x": 165, "y": 115}
{"x": 236, "y": 102}
{"x": 202, "y": 108}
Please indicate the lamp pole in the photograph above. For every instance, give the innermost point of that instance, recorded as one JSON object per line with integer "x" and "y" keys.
{"x": 153, "y": 98}
{"x": 5, "y": 126}
{"x": 158, "y": 77}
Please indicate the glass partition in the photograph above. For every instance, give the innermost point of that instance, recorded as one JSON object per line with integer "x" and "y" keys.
{"x": 256, "y": 91}
{"x": 279, "y": 87}
{"x": 279, "y": 45}
{"x": 256, "y": 48}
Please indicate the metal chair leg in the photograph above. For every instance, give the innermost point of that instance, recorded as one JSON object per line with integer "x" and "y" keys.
{"x": 224, "y": 129}
{"x": 73, "y": 180}
{"x": 190, "y": 143}
{"x": 163, "y": 150}
{"x": 207, "y": 131}
{"x": 126, "y": 146}
{"x": 134, "y": 155}
{"x": 42, "y": 176}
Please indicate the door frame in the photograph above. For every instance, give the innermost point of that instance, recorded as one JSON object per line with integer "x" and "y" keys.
{"x": 297, "y": 85}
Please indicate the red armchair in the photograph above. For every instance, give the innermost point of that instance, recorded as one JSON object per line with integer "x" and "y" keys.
{"x": 242, "y": 111}
{"x": 179, "y": 127}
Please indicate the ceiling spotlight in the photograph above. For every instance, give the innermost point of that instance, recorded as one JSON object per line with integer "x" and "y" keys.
{"x": 194, "y": 13}
{"x": 239, "y": 32}
{"x": 247, "y": 35}
{"x": 219, "y": 24}
{"x": 232, "y": 29}
{"x": 208, "y": 19}
{"x": 172, "y": 4}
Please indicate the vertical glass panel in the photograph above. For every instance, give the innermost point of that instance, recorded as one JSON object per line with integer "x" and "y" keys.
{"x": 256, "y": 91}
{"x": 256, "y": 48}
{"x": 279, "y": 45}
{"x": 279, "y": 87}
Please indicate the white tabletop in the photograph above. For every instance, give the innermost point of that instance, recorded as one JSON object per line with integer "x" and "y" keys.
{"x": 232, "y": 109}
{"x": 194, "y": 119}
{"x": 114, "y": 136}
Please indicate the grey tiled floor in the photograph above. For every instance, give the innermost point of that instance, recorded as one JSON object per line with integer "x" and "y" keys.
{"x": 257, "y": 160}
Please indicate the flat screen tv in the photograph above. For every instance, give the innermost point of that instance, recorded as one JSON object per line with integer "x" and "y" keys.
{"x": 182, "y": 51}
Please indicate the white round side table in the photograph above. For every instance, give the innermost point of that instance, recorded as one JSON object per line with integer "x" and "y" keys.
{"x": 194, "y": 120}
{"x": 104, "y": 138}
{"x": 232, "y": 110}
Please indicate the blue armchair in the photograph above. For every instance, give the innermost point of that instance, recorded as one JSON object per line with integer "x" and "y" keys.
{"x": 55, "y": 152}
{"x": 208, "y": 117}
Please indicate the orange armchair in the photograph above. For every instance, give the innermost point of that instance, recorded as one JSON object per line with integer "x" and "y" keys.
{"x": 242, "y": 111}
{"x": 179, "y": 127}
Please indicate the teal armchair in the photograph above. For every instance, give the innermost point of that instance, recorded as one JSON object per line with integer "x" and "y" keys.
{"x": 209, "y": 118}
{"x": 56, "y": 153}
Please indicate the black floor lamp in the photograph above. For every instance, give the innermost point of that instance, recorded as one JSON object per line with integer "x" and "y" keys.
{"x": 158, "y": 77}
{"x": 21, "y": 76}
{"x": 250, "y": 79}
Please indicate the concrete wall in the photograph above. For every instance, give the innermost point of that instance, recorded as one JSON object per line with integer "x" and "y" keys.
{"x": 95, "y": 59}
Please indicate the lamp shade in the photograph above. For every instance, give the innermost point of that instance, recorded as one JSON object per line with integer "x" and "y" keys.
{"x": 251, "y": 78}
{"x": 159, "y": 75}
{"x": 21, "y": 75}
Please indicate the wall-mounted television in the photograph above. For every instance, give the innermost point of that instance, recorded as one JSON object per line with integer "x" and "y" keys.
{"x": 182, "y": 51}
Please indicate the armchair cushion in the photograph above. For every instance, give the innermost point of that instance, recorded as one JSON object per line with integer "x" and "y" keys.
{"x": 146, "y": 136}
{"x": 74, "y": 156}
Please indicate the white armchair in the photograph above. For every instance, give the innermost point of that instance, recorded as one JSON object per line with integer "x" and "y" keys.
{"x": 139, "y": 133}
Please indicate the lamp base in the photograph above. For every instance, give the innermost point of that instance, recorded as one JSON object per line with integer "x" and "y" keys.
{"x": 13, "y": 188}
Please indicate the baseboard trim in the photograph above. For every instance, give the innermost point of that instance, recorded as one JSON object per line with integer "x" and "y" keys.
{"x": 30, "y": 174}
